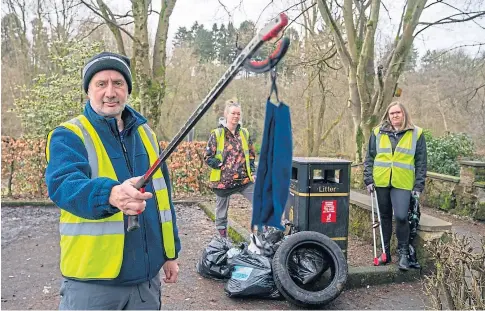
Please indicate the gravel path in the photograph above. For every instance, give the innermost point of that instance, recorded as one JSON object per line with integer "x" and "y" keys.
{"x": 31, "y": 278}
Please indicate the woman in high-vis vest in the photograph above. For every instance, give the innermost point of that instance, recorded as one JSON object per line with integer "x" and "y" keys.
{"x": 230, "y": 153}
{"x": 93, "y": 163}
{"x": 395, "y": 168}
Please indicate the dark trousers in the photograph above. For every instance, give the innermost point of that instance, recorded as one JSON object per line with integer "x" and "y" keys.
{"x": 78, "y": 295}
{"x": 222, "y": 203}
{"x": 397, "y": 199}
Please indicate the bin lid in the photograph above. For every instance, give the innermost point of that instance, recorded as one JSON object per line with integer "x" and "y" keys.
{"x": 320, "y": 160}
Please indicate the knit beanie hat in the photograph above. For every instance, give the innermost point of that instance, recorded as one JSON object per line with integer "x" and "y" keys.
{"x": 107, "y": 61}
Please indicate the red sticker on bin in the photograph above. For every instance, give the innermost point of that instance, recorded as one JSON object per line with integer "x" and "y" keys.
{"x": 329, "y": 211}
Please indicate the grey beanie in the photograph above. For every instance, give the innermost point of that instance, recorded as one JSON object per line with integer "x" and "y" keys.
{"x": 107, "y": 61}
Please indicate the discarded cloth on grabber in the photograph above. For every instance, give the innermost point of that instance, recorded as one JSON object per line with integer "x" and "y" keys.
{"x": 273, "y": 175}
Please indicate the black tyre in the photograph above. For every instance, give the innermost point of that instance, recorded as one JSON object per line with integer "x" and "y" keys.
{"x": 321, "y": 291}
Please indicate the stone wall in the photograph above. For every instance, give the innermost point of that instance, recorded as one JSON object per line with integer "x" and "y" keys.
{"x": 439, "y": 191}
{"x": 464, "y": 195}
{"x": 357, "y": 176}
{"x": 480, "y": 211}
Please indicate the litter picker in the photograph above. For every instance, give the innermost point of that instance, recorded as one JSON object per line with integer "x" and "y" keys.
{"x": 270, "y": 31}
{"x": 374, "y": 226}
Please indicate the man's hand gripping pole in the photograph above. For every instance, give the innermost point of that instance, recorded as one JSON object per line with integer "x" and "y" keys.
{"x": 270, "y": 31}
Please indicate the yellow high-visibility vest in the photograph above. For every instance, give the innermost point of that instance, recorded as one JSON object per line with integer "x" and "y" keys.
{"x": 220, "y": 136}
{"x": 93, "y": 249}
{"x": 396, "y": 169}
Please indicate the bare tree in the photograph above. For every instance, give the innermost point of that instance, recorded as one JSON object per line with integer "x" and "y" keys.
{"x": 444, "y": 95}
{"x": 354, "y": 30}
{"x": 15, "y": 60}
{"x": 109, "y": 16}
{"x": 150, "y": 81}
{"x": 318, "y": 62}
{"x": 160, "y": 54}
{"x": 15, "y": 23}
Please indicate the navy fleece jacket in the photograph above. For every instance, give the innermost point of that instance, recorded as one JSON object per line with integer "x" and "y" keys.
{"x": 274, "y": 169}
{"x": 70, "y": 187}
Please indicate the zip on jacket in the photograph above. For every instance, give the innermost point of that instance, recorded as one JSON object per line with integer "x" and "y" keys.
{"x": 70, "y": 187}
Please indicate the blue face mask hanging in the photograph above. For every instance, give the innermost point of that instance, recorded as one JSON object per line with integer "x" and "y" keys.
{"x": 274, "y": 169}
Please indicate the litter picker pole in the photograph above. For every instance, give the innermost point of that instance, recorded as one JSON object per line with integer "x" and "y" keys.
{"x": 383, "y": 256}
{"x": 374, "y": 226}
{"x": 271, "y": 30}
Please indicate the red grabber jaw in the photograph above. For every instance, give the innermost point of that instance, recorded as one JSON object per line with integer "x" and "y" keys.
{"x": 270, "y": 31}
{"x": 383, "y": 258}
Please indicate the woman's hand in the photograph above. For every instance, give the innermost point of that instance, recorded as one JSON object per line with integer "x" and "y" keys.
{"x": 370, "y": 188}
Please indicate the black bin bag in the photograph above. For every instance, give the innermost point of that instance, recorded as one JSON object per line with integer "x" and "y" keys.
{"x": 213, "y": 262}
{"x": 306, "y": 265}
{"x": 251, "y": 276}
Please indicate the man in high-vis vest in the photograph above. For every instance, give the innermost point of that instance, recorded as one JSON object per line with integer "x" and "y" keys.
{"x": 94, "y": 160}
{"x": 395, "y": 168}
{"x": 230, "y": 153}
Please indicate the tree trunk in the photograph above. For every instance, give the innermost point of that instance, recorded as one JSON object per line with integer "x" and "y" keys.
{"x": 335, "y": 122}
{"x": 142, "y": 64}
{"x": 10, "y": 178}
{"x": 365, "y": 79}
{"x": 309, "y": 115}
{"x": 160, "y": 55}
{"x": 396, "y": 65}
{"x": 348, "y": 54}
{"x": 355, "y": 108}
{"x": 108, "y": 15}
{"x": 318, "y": 127}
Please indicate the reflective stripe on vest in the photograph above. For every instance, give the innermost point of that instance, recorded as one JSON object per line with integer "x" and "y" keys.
{"x": 90, "y": 228}
{"x": 88, "y": 143}
{"x": 220, "y": 140}
{"x": 396, "y": 169}
{"x": 161, "y": 191}
{"x": 245, "y": 145}
{"x": 82, "y": 239}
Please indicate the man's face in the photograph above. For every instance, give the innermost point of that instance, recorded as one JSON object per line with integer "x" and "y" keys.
{"x": 108, "y": 93}
{"x": 396, "y": 116}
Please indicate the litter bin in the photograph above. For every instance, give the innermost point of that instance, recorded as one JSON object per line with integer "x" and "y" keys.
{"x": 319, "y": 197}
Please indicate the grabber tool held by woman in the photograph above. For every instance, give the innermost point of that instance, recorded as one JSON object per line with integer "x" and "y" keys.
{"x": 383, "y": 257}
{"x": 270, "y": 31}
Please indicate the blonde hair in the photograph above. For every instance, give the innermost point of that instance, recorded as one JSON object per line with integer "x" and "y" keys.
{"x": 406, "y": 117}
{"x": 232, "y": 103}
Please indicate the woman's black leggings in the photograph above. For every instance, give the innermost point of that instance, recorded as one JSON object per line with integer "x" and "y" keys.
{"x": 398, "y": 199}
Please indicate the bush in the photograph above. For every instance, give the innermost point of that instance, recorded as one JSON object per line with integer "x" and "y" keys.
{"x": 458, "y": 281}
{"x": 23, "y": 166}
{"x": 444, "y": 151}
{"x": 57, "y": 96}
